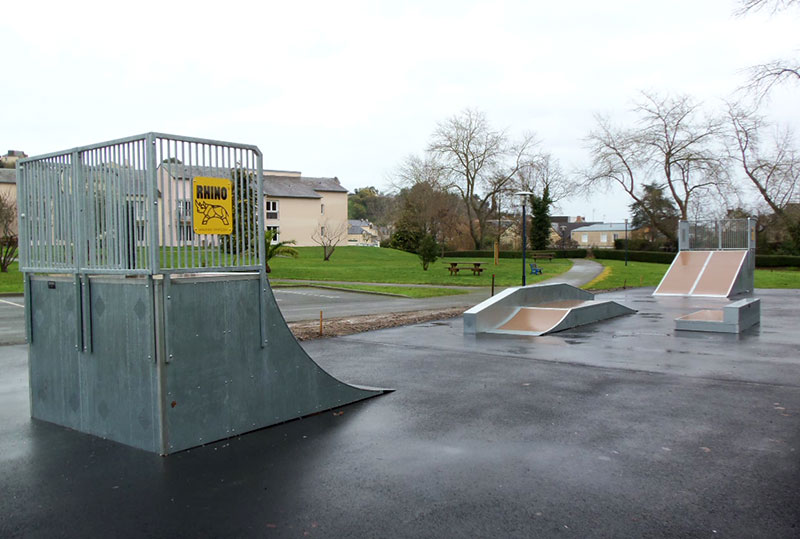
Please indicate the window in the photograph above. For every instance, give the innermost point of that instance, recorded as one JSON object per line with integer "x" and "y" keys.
{"x": 322, "y": 209}
{"x": 185, "y": 232}
{"x": 584, "y": 238}
{"x": 276, "y": 234}
{"x": 322, "y": 231}
{"x": 184, "y": 210}
{"x": 616, "y": 236}
{"x": 272, "y": 209}
{"x": 603, "y": 238}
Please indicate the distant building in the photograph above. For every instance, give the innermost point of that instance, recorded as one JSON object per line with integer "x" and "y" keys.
{"x": 10, "y": 159}
{"x": 362, "y": 232}
{"x": 600, "y": 235}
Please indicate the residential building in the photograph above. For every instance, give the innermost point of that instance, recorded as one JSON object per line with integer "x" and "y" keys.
{"x": 362, "y": 232}
{"x": 295, "y": 207}
{"x": 600, "y": 235}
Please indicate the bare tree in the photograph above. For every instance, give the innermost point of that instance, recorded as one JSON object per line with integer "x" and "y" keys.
{"x": 480, "y": 162}
{"x": 771, "y": 165}
{"x": 328, "y": 235}
{"x": 8, "y": 239}
{"x": 673, "y": 144}
{"x": 764, "y": 77}
{"x": 543, "y": 173}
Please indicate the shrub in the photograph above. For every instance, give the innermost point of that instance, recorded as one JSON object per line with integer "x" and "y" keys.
{"x": 568, "y": 253}
{"x": 427, "y": 251}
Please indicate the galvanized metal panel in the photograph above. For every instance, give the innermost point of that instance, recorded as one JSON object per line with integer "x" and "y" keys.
{"x": 53, "y": 358}
{"x": 119, "y": 378}
{"x": 111, "y": 391}
{"x": 221, "y": 382}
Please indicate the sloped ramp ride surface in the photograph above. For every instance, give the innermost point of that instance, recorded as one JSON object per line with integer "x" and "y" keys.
{"x": 706, "y": 274}
{"x": 538, "y": 310}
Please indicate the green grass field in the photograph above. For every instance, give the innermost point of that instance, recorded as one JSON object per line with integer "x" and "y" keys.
{"x": 374, "y": 265}
{"x": 617, "y": 275}
{"x": 11, "y": 281}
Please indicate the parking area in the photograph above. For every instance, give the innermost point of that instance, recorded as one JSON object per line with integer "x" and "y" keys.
{"x": 624, "y": 428}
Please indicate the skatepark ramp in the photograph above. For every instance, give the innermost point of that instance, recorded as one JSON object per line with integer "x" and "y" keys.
{"x": 716, "y": 259}
{"x": 150, "y": 319}
{"x": 539, "y": 309}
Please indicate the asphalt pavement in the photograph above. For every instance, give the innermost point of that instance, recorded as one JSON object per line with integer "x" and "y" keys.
{"x": 624, "y": 428}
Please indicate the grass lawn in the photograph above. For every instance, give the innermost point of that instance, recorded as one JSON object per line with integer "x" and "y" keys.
{"x": 405, "y": 291}
{"x": 11, "y": 281}
{"x": 617, "y": 275}
{"x": 374, "y": 265}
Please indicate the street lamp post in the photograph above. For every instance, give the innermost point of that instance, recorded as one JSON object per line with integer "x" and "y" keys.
{"x": 523, "y": 194}
{"x": 626, "y": 242}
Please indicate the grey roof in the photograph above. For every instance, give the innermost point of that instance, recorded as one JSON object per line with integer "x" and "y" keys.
{"x": 8, "y": 175}
{"x": 356, "y": 226}
{"x": 604, "y": 227}
{"x": 289, "y": 186}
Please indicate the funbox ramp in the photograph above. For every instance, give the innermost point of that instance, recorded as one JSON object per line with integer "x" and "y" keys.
{"x": 717, "y": 274}
{"x": 539, "y": 309}
{"x": 166, "y": 366}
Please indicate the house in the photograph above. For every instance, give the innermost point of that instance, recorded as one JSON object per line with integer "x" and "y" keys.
{"x": 295, "y": 207}
{"x": 600, "y": 235}
{"x": 300, "y": 208}
{"x": 362, "y": 232}
{"x": 8, "y": 190}
{"x": 562, "y": 227}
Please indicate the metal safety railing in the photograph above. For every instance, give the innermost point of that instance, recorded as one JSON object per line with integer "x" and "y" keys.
{"x": 130, "y": 206}
{"x": 716, "y": 235}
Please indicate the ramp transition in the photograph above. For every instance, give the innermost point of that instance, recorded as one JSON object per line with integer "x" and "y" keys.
{"x": 538, "y": 310}
{"x": 707, "y": 274}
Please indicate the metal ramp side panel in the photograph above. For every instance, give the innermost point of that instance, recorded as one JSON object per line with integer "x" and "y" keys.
{"x": 683, "y": 273}
{"x": 220, "y": 382}
{"x": 591, "y": 313}
{"x": 745, "y": 280}
{"x": 110, "y": 389}
{"x": 720, "y": 274}
{"x": 53, "y": 358}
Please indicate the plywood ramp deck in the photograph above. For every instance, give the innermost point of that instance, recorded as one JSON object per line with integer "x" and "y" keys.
{"x": 720, "y": 273}
{"x": 683, "y": 273}
{"x": 534, "y": 319}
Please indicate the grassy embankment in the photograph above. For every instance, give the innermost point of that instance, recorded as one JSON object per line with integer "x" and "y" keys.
{"x": 617, "y": 275}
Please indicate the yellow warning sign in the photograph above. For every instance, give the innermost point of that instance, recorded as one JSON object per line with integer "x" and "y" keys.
{"x": 212, "y": 199}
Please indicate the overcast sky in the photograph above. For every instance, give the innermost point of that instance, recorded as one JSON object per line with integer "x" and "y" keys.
{"x": 349, "y": 89}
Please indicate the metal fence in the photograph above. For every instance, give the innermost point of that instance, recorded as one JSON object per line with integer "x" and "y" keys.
{"x": 127, "y": 207}
{"x": 716, "y": 235}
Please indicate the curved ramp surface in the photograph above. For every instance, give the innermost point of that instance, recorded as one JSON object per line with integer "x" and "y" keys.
{"x": 538, "y": 310}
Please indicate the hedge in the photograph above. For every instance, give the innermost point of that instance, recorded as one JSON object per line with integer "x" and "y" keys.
{"x": 567, "y": 253}
{"x": 635, "y": 256}
{"x": 762, "y": 261}
{"x": 777, "y": 261}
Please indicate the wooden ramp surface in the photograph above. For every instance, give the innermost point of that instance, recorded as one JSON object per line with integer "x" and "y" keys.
{"x": 720, "y": 273}
{"x": 683, "y": 273}
{"x": 534, "y": 319}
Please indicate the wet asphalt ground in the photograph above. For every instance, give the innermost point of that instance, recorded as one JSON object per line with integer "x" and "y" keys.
{"x": 625, "y": 428}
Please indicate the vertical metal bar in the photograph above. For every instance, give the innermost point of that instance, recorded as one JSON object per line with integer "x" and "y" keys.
{"x": 28, "y": 307}
{"x": 167, "y": 289}
{"x": 78, "y": 223}
{"x": 78, "y": 313}
{"x": 262, "y": 270}
{"x": 87, "y": 302}
{"x": 152, "y": 203}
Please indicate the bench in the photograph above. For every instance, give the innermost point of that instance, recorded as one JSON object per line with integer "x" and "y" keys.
{"x": 535, "y": 269}
{"x": 543, "y": 256}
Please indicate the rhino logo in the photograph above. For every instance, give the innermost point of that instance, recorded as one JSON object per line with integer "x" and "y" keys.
{"x": 211, "y": 211}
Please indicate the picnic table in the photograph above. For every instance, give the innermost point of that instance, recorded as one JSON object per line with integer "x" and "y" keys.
{"x": 455, "y": 267}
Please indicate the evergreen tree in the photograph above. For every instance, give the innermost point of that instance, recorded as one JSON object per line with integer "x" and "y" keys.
{"x": 540, "y": 220}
